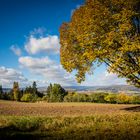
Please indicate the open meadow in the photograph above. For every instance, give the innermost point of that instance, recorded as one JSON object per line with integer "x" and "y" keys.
{"x": 44, "y": 120}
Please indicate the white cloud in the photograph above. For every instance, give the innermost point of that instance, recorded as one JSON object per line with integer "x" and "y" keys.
{"x": 9, "y": 75}
{"x": 112, "y": 79}
{"x": 52, "y": 72}
{"x": 32, "y": 63}
{"x": 104, "y": 79}
{"x": 49, "y": 44}
{"x": 16, "y": 50}
{"x": 48, "y": 69}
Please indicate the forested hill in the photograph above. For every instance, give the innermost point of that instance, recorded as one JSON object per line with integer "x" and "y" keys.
{"x": 113, "y": 88}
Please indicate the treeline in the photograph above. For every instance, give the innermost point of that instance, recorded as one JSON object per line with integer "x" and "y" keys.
{"x": 112, "y": 98}
{"x": 56, "y": 93}
{"x": 28, "y": 94}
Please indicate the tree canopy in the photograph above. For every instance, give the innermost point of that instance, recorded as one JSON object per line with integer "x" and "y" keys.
{"x": 16, "y": 91}
{"x": 1, "y": 90}
{"x": 55, "y": 93}
{"x": 103, "y": 31}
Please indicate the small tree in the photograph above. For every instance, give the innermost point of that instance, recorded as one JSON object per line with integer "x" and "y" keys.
{"x": 28, "y": 90}
{"x": 123, "y": 98}
{"x": 16, "y": 91}
{"x": 111, "y": 98}
{"x": 27, "y": 98}
{"x": 11, "y": 95}
{"x": 135, "y": 99}
{"x": 49, "y": 89}
{"x": 69, "y": 97}
{"x": 34, "y": 88}
{"x": 33, "y": 91}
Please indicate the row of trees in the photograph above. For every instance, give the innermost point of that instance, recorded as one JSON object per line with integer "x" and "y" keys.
{"x": 55, "y": 93}
{"x": 30, "y": 93}
{"x": 121, "y": 98}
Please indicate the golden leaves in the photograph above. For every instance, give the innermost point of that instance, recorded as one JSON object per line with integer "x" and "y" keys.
{"x": 103, "y": 31}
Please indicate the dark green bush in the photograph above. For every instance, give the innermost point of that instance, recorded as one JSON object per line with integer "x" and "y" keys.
{"x": 56, "y": 93}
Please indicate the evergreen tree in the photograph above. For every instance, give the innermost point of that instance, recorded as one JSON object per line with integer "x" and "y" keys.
{"x": 34, "y": 88}
{"x": 55, "y": 93}
{"x": 49, "y": 89}
{"x": 16, "y": 91}
{"x": 1, "y": 92}
{"x": 28, "y": 90}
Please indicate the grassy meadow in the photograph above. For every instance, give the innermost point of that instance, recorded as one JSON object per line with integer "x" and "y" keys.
{"x": 42, "y": 121}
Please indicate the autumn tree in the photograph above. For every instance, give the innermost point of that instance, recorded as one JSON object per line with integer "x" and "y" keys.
{"x": 123, "y": 98}
{"x": 103, "y": 31}
{"x": 111, "y": 98}
{"x": 16, "y": 91}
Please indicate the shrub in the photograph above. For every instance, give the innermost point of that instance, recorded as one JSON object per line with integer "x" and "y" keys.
{"x": 122, "y": 98}
{"x": 39, "y": 99}
{"x": 45, "y": 98}
{"x": 76, "y": 97}
{"x": 111, "y": 98}
{"x": 69, "y": 97}
{"x": 80, "y": 97}
{"x": 135, "y": 99}
{"x": 98, "y": 97}
{"x": 28, "y": 98}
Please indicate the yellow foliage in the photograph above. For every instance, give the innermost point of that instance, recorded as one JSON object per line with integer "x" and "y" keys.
{"x": 103, "y": 32}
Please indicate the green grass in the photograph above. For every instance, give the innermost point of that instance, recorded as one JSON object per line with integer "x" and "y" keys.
{"x": 100, "y": 127}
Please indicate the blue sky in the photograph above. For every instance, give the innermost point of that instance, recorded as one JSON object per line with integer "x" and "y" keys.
{"x": 29, "y": 44}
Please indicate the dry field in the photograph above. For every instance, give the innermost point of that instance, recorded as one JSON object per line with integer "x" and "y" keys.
{"x": 68, "y": 121}
{"x": 63, "y": 109}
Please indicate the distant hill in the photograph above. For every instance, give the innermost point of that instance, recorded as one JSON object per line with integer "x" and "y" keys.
{"x": 113, "y": 88}
{"x": 6, "y": 89}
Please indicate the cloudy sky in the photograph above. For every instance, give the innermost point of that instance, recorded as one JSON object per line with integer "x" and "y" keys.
{"x": 29, "y": 44}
